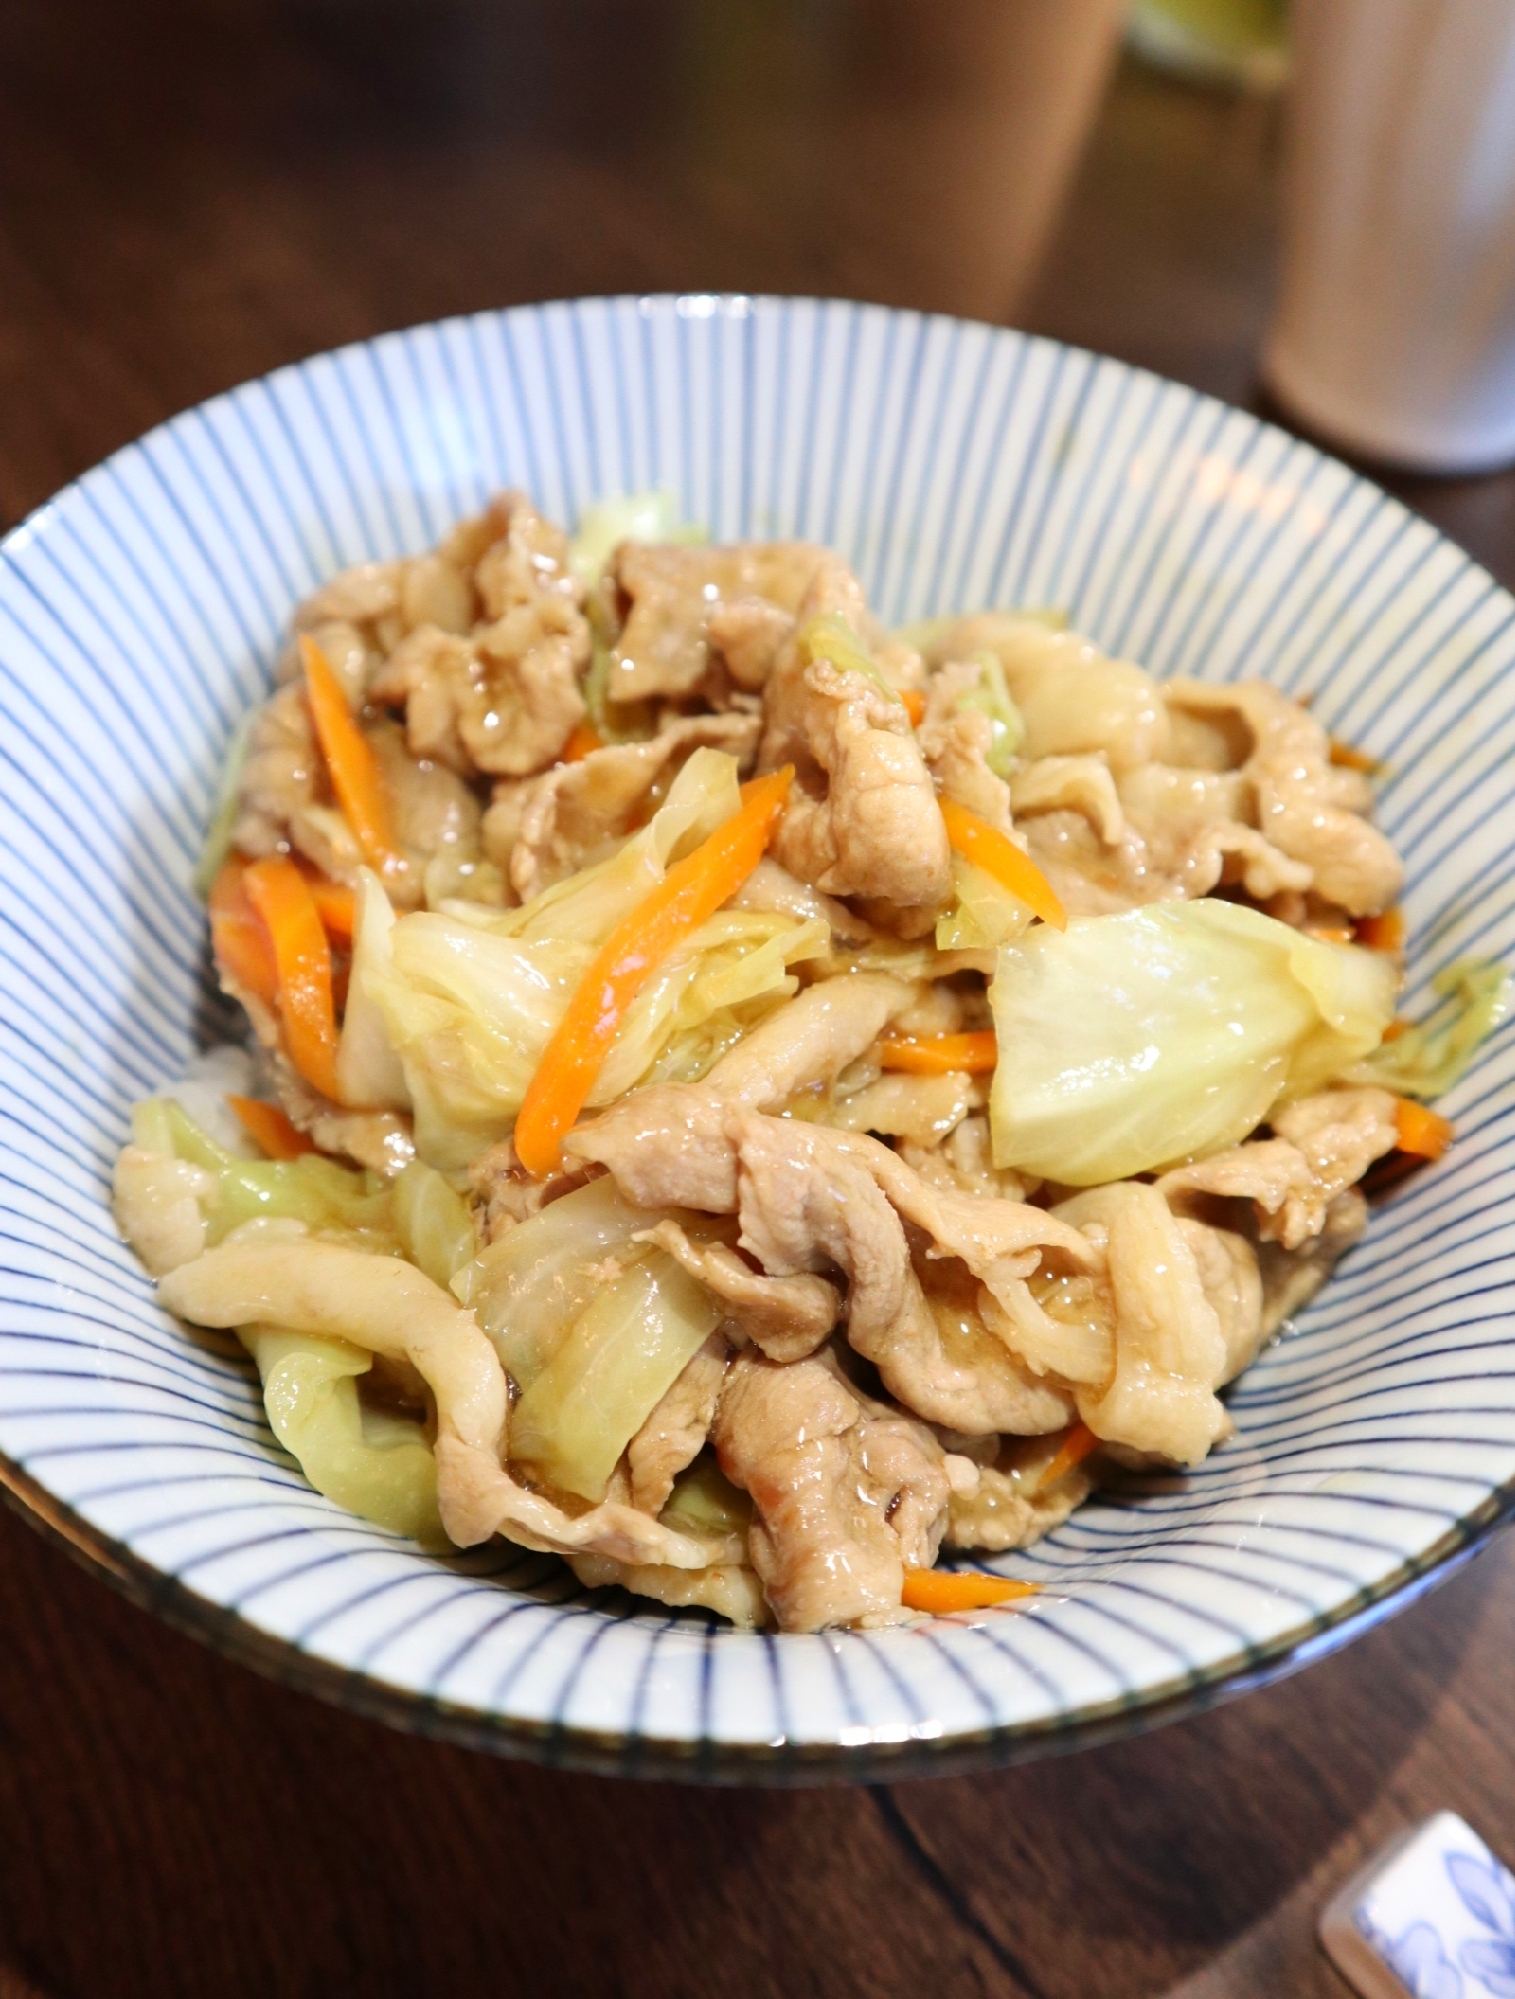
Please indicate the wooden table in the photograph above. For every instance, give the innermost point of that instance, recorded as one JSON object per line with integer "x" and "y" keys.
{"x": 190, "y": 194}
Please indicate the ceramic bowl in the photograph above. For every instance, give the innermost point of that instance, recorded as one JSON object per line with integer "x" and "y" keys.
{"x": 955, "y": 466}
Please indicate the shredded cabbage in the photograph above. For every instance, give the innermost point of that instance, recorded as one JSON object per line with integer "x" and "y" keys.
{"x": 992, "y": 698}
{"x": 739, "y": 957}
{"x": 374, "y": 1465}
{"x": 1429, "y": 1057}
{"x": 909, "y": 960}
{"x": 1129, "y": 1043}
{"x": 527, "y": 1289}
{"x": 223, "y": 811}
{"x": 831, "y": 637}
{"x": 983, "y": 913}
{"x": 470, "y": 1015}
{"x": 705, "y": 1502}
{"x": 613, "y": 722}
{"x": 617, "y": 1362}
{"x": 586, "y": 906}
{"x": 471, "y": 997}
{"x": 433, "y": 1223}
{"x": 603, "y": 526}
{"x": 312, "y": 1189}
{"x": 369, "y": 1073}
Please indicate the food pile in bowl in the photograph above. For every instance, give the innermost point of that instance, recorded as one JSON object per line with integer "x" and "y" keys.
{"x": 746, "y": 1100}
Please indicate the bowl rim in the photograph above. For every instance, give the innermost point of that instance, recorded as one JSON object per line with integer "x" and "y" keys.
{"x": 725, "y": 1761}
{"x": 614, "y": 1753}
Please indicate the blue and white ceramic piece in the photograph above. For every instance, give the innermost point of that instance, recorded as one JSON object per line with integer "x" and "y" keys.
{"x": 955, "y": 466}
{"x": 1433, "y": 1917}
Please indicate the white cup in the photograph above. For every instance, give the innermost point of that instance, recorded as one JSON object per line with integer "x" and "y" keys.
{"x": 1395, "y": 333}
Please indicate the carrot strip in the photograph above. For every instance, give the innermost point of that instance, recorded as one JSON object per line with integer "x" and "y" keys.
{"x": 915, "y": 705}
{"x": 266, "y": 1125}
{"x": 1076, "y": 1446}
{"x": 940, "y": 1054}
{"x": 337, "y": 907}
{"x": 583, "y": 738}
{"x": 688, "y": 895}
{"x": 1426, "y": 1134}
{"x": 336, "y": 902}
{"x": 1383, "y": 933}
{"x": 355, "y": 774}
{"x": 939, "y": 1592}
{"x": 239, "y": 937}
{"x": 1346, "y": 758}
{"x": 281, "y": 895}
{"x": 1395, "y": 1028}
{"x": 977, "y": 841}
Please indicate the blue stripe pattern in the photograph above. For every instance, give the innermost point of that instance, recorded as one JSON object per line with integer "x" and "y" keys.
{"x": 955, "y": 466}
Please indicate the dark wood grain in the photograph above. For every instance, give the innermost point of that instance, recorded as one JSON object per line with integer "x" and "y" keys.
{"x": 190, "y": 194}
{"x": 171, "y": 1824}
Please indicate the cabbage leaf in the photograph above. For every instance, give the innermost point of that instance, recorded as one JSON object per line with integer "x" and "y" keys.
{"x": 469, "y": 1015}
{"x": 1130, "y": 1043}
{"x": 585, "y": 907}
{"x": 369, "y": 1073}
{"x": 433, "y": 1223}
{"x": 471, "y": 996}
{"x": 830, "y": 637}
{"x": 224, "y": 806}
{"x": 992, "y": 698}
{"x": 527, "y": 1289}
{"x": 605, "y": 524}
{"x": 375, "y": 1465}
{"x": 1431, "y": 1054}
{"x": 312, "y": 1189}
{"x": 982, "y": 914}
{"x": 705, "y": 1502}
{"x": 617, "y": 1362}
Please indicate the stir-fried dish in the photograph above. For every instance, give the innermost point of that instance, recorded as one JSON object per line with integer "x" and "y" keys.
{"x": 745, "y": 1100}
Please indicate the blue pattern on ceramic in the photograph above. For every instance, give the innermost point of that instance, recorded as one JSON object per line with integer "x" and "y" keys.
{"x": 1487, "y": 1891}
{"x": 1418, "y": 1960}
{"x": 955, "y": 466}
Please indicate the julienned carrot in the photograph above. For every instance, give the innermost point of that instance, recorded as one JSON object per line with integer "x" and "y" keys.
{"x": 688, "y": 895}
{"x": 915, "y": 705}
{"x": 266, "y": 1125}
{"x": 1383, "y": 933}
{"x": 355, "y": 775}
{"x": 939, "y": 1592}
{"x": 281, "y": 895}
{"x": 1076, "y": 1446}
{"x": 583, "y": 739}
{"x": 239, "y": 937}
{"x": 1346, "y": 758}
{"x": 993, "y": 851}
{"x": 941, "y": 1054}
{"x": 1426, "y": 1134}
{"x": 336, "y": 904}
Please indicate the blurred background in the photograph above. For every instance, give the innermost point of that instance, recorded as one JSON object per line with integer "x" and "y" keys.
{"x": 192, "y": 191}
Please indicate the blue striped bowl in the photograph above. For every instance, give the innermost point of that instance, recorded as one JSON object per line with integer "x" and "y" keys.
{"x": 954, "y": 465}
